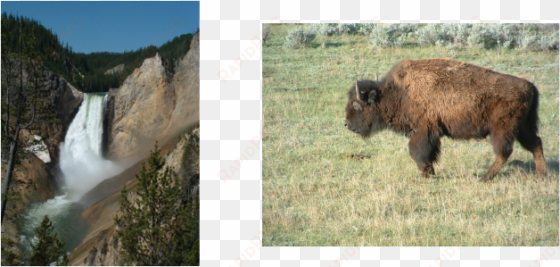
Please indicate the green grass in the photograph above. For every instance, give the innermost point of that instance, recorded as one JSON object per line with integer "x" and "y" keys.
{"x": 316, "y": 194}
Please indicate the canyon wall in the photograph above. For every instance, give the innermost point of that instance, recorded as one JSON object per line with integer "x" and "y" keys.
{"x": 149, "y": 108}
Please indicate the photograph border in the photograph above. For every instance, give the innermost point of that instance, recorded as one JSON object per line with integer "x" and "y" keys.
{"x": 231, "y": 123}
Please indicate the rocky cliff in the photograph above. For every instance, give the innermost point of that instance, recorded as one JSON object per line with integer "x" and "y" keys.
{"x": 146, "y": 108}
{"x": 116, "y": 69}
{"x": 64, "y": 100}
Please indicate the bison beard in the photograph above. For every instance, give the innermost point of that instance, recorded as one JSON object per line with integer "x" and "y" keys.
{"x": 431, "y": 98}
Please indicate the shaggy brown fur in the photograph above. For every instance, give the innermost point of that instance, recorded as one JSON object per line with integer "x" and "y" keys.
{"x": 431, "y": 98}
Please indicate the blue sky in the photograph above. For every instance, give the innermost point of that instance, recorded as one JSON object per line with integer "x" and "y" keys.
{"x": 111, "y": 26}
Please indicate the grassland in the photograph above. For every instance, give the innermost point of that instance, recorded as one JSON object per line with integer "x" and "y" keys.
{"x": 316, "y": 194}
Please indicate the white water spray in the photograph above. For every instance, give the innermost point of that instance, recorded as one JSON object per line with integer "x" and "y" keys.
{"x": 83, "y": 166}
{"x": 81, "y": 158}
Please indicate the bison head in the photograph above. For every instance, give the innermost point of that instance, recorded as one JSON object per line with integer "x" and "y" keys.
{"x": 362, "y": 116}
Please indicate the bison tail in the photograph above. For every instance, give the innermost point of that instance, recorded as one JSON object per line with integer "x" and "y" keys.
{"x": 531, "y": 122}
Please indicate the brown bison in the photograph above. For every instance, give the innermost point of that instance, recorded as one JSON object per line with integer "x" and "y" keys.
{"x": 431, "y": 98}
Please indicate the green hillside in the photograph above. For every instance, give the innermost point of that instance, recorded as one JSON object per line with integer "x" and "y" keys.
{"x": 60, "y": 58}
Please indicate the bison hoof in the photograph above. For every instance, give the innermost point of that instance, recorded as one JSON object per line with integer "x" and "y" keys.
{"x": 485, "y": 180}
{"x": 429, "y": 170}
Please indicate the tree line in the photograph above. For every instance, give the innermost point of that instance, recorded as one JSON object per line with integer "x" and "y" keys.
{"x": 87, "y": 71}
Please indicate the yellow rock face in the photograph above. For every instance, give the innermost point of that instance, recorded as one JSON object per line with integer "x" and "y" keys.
{"x": 148, "y": 108}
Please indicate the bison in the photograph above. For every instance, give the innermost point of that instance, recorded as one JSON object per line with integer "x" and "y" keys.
{"x": 431, "y": 98}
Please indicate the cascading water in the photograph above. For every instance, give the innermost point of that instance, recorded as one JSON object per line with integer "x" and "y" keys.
{"x": 83, "y": 167}
{"x": 80, "y": 153}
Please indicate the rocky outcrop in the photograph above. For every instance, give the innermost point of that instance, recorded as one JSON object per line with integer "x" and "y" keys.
{"x": 65, "y": 101}
{"x": 186, "y": 84}
{"x": 116, "y": 69}
{"x": 142, "y": 107}
{"x": 146, "y": 108}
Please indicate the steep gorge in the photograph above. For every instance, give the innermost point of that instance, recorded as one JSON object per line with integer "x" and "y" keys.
{"x": 148, "y": 107}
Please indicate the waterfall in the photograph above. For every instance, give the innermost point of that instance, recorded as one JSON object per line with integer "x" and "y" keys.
{"x": 86, "y": 130}
{"x": 83, "y": 167}
{"x": 81, "y": 159}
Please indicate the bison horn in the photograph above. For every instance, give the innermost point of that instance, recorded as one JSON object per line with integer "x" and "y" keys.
{"x": 376, "y": 78}
{"x": 357, "y": 91}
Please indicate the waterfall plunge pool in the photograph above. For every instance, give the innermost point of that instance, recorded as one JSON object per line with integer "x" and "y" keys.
{"x": 83, "y": 167}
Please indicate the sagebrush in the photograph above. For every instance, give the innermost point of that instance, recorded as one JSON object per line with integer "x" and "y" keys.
{"x": 527, "y": 37}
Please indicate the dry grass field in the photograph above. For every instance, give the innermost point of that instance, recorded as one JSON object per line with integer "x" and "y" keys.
{"x": 315, "y": 193}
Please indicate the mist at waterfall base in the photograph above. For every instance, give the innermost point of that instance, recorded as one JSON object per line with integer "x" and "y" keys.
{"x": 81, "y": 159}
{"x": 83, "y": 167}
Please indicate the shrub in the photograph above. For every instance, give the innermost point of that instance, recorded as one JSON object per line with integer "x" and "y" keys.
{"x": 427, "y": 35}
{"x": 439, "y": 34}
{"x": 389, "y": 35}
{"x": 366, "y": 29}
{"x": 346, "y": 28}
{"x": 542, "y": 37}
{"x": 549, "y": 42}
{"x": 265, "y": 33}
{"x": 379, "y": 37}
{"x": 480, "y": 38}
{"x": 320, "y": 29}
{"x": 492, "y": 35}
{"x": 526, "y": 40}
{"x": 328, "y": 29}
{"x": 298, "y": 38}
{"x": 488, "y": 36}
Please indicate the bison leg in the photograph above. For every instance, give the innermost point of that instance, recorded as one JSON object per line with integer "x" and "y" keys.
{"x": 424, "y": 150}
{"x": 503, "y": 147}
{"x": 530, "y": 141}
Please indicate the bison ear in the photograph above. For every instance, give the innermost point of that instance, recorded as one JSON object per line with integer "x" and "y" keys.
{"x": 357, "y": 106}
{"x": 372, "y": 97}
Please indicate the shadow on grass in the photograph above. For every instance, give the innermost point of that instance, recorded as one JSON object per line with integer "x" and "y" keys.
{"x": 529, "y": 166}
{"x": 327, "y": 45}
{"x": 552, "y": 167}
{"x": 410, "y": 45}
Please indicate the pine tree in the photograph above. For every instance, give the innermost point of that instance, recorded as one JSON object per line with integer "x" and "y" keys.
{"x": 156, "y": 224}
{"x": 48, "y": 249}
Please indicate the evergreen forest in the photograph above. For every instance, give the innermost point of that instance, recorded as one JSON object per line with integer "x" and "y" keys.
{"x": 87, "y": 71}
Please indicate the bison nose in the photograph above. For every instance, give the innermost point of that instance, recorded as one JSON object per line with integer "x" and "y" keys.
{"x": 345, "y": 125}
